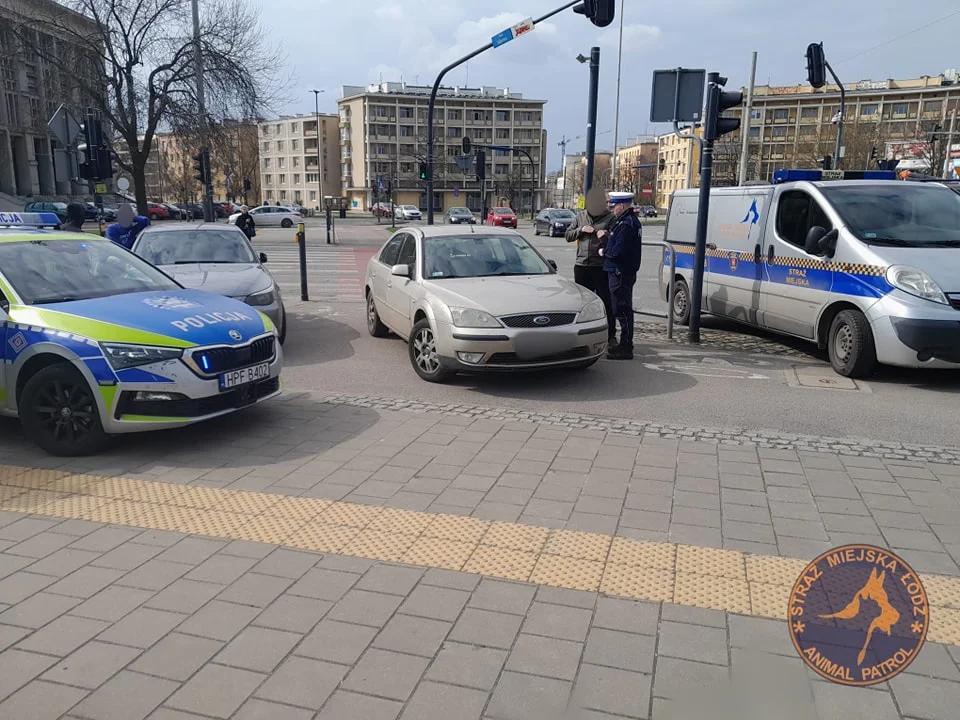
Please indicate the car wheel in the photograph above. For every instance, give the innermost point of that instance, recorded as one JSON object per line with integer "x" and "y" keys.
{"x": 374, "y": 326}
{"x": 681, "y": 302}
{"x": 59, "y": 413}
{"x": 851, "y": 347}
{"x": 536, "y": 229}
{"x": 153, "y": 217}
{"x": 286, "y": 223}
{"x": 282, "y": 330}
{"x": 423, "y": 354}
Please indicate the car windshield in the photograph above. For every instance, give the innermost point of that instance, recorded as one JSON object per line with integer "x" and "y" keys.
{"x": 53, "y": 271}
{"x": 502, "y": 211}
{"x": 467, "y": 256}
{"x": 183, "y": 247}
{"x": 898, "y": 213}
{"x": 409, "y": 207}
{"x": 460, "y": 211}
{"x": 562, "y": 215}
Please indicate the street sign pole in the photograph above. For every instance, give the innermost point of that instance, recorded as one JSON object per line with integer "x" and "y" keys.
{"x": 592, "y": 115}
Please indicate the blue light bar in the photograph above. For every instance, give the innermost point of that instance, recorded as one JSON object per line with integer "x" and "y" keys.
{"x": 782, "y": 176}
{"x": 37, "y": 220}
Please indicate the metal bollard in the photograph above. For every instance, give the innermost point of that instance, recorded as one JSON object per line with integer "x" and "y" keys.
{"x": 302, "y": 242}
{"x": 673, "y": 279}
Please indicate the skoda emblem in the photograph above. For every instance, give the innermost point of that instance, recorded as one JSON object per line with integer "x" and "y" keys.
{"x": 234, "y": 335}
{"x": 541, "y": 320}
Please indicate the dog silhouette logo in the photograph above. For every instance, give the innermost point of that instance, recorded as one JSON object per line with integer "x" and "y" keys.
{"x": 858, "y": 615}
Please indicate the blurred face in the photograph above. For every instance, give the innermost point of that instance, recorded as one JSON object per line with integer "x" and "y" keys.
{"x": 596, "y": 201}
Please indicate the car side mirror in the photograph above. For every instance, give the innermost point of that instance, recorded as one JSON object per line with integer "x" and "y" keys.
{"x": 263, "y": 257}
{"x": 820, "y": 242}
{"x": 400, "y": 271}
{"x": 552, "y": 263}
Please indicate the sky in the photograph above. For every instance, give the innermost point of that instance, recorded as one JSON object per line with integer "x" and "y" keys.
{"x": 331, "y": 43}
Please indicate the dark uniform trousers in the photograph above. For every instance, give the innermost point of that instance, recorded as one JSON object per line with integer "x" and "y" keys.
{"x": 595, "y": 280}
{"x": 621, "y": 298}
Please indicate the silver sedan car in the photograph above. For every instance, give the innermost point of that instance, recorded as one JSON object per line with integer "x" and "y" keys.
{"x": 480, "y": 299}
{"x": 217, "y": 258}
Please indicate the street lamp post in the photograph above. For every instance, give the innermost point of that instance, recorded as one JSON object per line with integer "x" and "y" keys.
{"x": 616, "y": 117}
{"x": 316, "y": 104}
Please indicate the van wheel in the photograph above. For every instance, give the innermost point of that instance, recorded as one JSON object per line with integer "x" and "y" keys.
{"x": 851, "y": 347}
{"x": 681, "y": 302}
{"x": 59, "y": 412}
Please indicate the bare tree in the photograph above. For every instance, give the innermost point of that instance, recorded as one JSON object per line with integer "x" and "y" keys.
{"x": 138, "y": 70}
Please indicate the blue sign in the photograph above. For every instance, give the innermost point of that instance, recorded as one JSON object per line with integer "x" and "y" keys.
{"x": 502, "y": 37}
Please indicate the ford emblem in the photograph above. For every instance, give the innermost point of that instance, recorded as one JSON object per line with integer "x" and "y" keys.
{"x": 234, "y": 335}
{"x": 541, "y": 320}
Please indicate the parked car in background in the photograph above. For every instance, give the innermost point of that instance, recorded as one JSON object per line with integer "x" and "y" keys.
{"x": 272, "y": 216}
{"x": 50, "y": 207}
{"x": 381, "y": 209}
{"x": 223, "y": 209}
{"x": 459, "y": 215}
{"x": 647, "y": 211}
{"x": 407, "y": 212}
{"x": 194, "y": 210}
{"x": 156, "y": 211}
{"x": 502, "y": 216}
{"x": 553, "y": 221}
{"x": 176, "y": 212}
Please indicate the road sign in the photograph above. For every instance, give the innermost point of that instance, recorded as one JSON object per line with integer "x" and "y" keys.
{"x": 100, "y": 188}
{"x": 456, "y": 191}
{"x": 65, "y": 127}
{"x": 677, "y": 95}
{"x": 505, "y": 36}
{"x": 647, "y": 191}
{"x": 123, "y": 184}
{"x": 464, "y": 162}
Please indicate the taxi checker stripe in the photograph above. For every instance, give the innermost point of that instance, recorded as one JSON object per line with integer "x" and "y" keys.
{"x": 88, "y": 328}
{"x": 784, "y": 261}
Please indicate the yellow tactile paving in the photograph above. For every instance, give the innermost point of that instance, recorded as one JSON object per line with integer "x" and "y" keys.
{"x": 704, "y": 577}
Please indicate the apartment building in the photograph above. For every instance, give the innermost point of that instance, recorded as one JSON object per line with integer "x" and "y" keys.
{"x": 571, "y": 185}
{"x": 383, "y": 141}
{"x": 33, "y": 88}
{"x": 291, "y": 168}
{"x": 642, "y": 151}
{"x": 681, "y": 166}
{"x": 794, "y": 126}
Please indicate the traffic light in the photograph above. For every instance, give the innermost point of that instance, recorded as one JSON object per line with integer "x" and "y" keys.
{"x": 96, "y": 163}
{"x": 816, "y": 65}
{"x": 826, "y": 162}
{"x": 481, "y": 161}
{"x": 247, "y": 186}
{"x": 662, "y": 165}
{"x": 873, "y": 154}
{"x": 717, "y": 102}
{"x": 423, "y": 171}
{"x": 465, "y": 144}
{"x": 600, "y": 12}
{"x": 201, "y": 164}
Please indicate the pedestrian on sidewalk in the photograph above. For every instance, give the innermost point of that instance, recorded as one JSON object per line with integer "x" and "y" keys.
{"x": 589, "y": 230}
{"x": 621, "y": 260}
{"x": 246, "y": 223}
{"x": 76, "y": 214}
{"x": 128, "y": 225}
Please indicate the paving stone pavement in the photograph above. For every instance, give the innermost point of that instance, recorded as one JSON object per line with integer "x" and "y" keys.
{"x": 106, "y": 621}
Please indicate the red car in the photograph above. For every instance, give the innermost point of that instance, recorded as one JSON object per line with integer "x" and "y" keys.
{"x": 155, "y": 212}
{"x": 503, "y": 216}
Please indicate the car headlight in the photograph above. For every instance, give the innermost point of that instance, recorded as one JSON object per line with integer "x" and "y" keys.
{"x": 472, "y": 318}
{"x": 128, "y": 356}
{"x": 592, "y": 311}
{"x": 915, "y": 282}
{"x": 260, "y": 299}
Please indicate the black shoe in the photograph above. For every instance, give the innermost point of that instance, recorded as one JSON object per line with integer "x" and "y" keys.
{"x": 621, "y": 354}
{"x": 612, "y": 345}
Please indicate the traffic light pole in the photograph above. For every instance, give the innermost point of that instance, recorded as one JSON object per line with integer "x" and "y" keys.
{"x": 202, "y": 111}
{"x": 592, "y": 115}
{"x": 431, "y": 105}
{"x": 843, "y": 111}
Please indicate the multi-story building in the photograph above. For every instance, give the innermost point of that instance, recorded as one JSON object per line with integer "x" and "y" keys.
{"x": 383, "y": 142}
{"x": 33, "y": 87}
{"x": 296, "y": 165}
{"x": 572, "y": 182}
{"x": 681, "y": 166}
{"x": 795, "y": 126}
{"x": 642, "y": 151}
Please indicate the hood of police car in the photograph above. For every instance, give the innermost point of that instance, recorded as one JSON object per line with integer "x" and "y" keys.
{"x": 174, "y": 318}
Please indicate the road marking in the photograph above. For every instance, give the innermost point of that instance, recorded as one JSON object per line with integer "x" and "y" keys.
{"x": 703, "y": 370}
{"x": 737, "y": 582}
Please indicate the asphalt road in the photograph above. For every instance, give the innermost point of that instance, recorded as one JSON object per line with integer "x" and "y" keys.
{"x": 328, "y": 349}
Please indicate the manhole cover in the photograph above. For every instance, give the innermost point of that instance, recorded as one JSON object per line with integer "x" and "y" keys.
{"x": 824, "y": 378}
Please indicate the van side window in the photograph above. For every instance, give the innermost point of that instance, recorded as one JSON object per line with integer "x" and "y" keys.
{"x": 797, "y": 212}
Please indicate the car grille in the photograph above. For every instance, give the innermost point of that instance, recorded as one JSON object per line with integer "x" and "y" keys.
{"x": 187, "y": 408}
{"x": 512, "y": 359}
{"x": 527, "y": 321}
{"x": 954, "y": 300}
{"x": 224, "y": 359}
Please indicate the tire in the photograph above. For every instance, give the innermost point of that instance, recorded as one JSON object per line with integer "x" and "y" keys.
{"x": 153, "y": 217}
{"x": 374, "y": 326}
{"x": 536, "y": 230}
{"x": 850, "y": 344}
{"x": 681, "y": 302}
{"x": 59, "y": 413}
{"x": 422, "y": 349}
{"x": 286, "y": 223}
{"x": 282, "y": 332}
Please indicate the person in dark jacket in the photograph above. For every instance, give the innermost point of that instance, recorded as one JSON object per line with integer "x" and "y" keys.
{"x": 245, "y": 222}
{"x": 76, "y": 214}
{"x": 589, "y": 230}
{"x": 128, "y": 225}
{"x": 621, "y": 261}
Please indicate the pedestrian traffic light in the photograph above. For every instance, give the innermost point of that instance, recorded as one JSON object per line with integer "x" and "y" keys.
{"x": 423, "y": 171}
{"x": 465, "y": 144}
{"x": 816, "y": 65}
{"x": 717, "y": 102}
{"x": 481, "y": 161}
{"x": 600, "y": 12}
{"x": 201, "y": 164}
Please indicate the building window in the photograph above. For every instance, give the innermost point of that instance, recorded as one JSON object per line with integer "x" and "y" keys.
{"x": 268, "y": 179}
{"x": 269, "y": 194}
{"x": 297, "y": 196}
{"x": 406, "y": 131}
{"x": 808, "y": 130}
{"x": 266, "y": 163}
{"x": 781, "y": 114}
{"x": 294, "y": 144}
{"x": 283, "y": 179}
{"x": 500, "y": 170}
{"x": 900, "y": 109}
{"x": 296, "y": 178}
{"x": 266, "y": 146}
{"x": 870, "y": 109}
{"x": 294, "y": 127}
{"x": 478, "y": 134}
{"x": 380, "y": 149}
{"x": 525, "y": 116}
{"x": 478, "y": 115}
{"x": 756, "y": 114}
{"x": 933, "y": 106}
{"x": 754, "y": 132}
{"x": 503, "y": 134}
{"x": 380, "y": 111}
{"x": 503, "y": 116}
{"x": 296, "y": 162}
{"x": 276, "y": 129}
{"x": 315, "y": 177}
{"x": 283, "y": 194}
{"x": 279, "y": 145}
{"x": 405, "y": 112}
{"x": 313, "y": 196}
{"x": 454, "y": 115}
{"x": 810, "y": 113}
{"x": 501, "y": 153}
{"x": 779, "y": 132}
{"x": 453, "y": 132}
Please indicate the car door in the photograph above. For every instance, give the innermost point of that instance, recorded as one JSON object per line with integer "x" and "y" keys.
{"x": 263, "y": 216}
{"x": 380, "y": 275}
{"x": 798, "y": 283}
{"x": 399, "y": 297}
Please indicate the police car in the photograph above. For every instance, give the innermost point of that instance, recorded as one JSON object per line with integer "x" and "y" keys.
{"x": 98, "y": 342}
